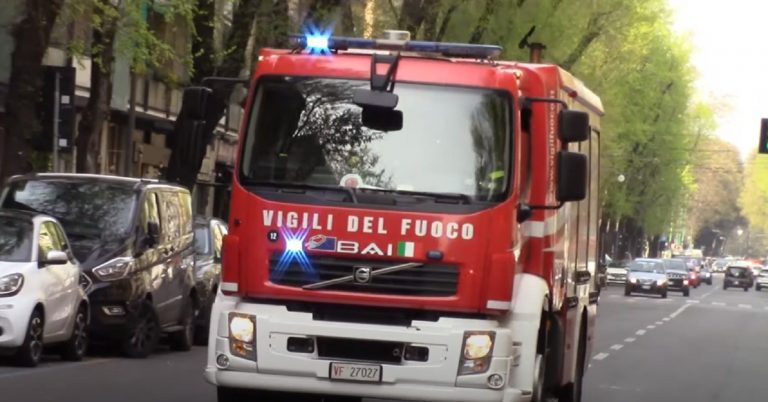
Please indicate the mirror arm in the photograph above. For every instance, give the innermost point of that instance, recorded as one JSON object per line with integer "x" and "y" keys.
{"x": 527, "y": 100}
{"x": 547, "y": 207}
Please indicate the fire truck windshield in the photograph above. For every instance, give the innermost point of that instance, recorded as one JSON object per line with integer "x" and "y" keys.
{"x": 307, "y": 131}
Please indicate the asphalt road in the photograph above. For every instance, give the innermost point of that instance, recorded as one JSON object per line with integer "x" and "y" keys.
{"x": 710, "y": 347}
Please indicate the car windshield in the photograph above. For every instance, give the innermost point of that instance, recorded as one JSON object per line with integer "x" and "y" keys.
{"x": 646, "y": 266}
{"x": 202, "y": 240}
{"x": 737, "y": 271}
{"x": 86, "y": 209}
{"x": 15, "y": 239}
{"x": 676, "y": 265}
{"x": 307, "y": 131}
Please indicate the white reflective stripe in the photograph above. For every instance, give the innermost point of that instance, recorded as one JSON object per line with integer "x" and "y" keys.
{"x": 544, "y": 228}
{"x": 229, "y": 287}
{"x": 498, "y": 304}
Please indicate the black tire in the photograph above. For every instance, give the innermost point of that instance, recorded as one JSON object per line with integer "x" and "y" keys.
{"x": 746, "y": 288}
{"x": 184, "y": 339}
{"x": 663, "y": 294}
{"x": 143, "y": 335}
{"x": 627, "y": 292}
{"x": 30, "y": 352}
{"x": 77, "y": 345}
{"x": 225, "y": 394}
{"x": 758, "y": 288}
{"x": 572, "y": 392}
{"x": 201, "y": 328}
{"x": 686, "y": 292}
{"x": 725, "y": 287}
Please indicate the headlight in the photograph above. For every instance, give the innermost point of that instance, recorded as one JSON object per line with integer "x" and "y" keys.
{"x": 476, "y": 355}
{"x": 11, "y": 284}
{"x": 685, "y": 281}
{"x": 661, "y": 281}
{"x": 632, "y": 280}
{"x": 242, "y": 335}
{"x": 114, "y": 269}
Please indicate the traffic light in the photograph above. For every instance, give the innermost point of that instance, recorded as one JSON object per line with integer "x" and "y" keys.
{"x": 763, "y": 137}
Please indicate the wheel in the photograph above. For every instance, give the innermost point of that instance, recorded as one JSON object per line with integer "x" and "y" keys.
{"x": 77, "y": 344}
{"x": 225, "y": 394}
{"x": 746, "y": 288}
{"x": 758, "y": 288}
{"x": 627, "y": 292}
{"x": 725, "y": 286}
{"x": 686, "y": 292}
{"x": 572, "y": 391}
{"x": 29, "y": 353}
{"x": 664, "y": 294}
{"x": 182, "y": 340}
{"x": 202, "y": 323}
{"x": 709, "y": 282}
{"x": 144, "y": 333}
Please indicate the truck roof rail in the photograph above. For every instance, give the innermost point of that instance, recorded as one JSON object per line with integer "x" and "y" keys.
{"x": 323, "y": 44}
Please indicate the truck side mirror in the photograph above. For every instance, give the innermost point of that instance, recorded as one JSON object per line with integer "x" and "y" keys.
{"x": 574, "y": 126}
{"x": 572, "y": 169}
{"x": 195, "y": 102}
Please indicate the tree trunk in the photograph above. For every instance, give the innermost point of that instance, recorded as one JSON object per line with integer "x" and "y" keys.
{"x": 411, "y": 17}
{"x": 97, "y": 109}
{"x": 31, "y": 36}
{"x": 431, "y": 12}
{"x": 594, "y": 28}
{"x": 482, "y": 23}
{"x": 203, "y": 51}
{"x": 184, "y": 167}
{"x": 446, "y": 20}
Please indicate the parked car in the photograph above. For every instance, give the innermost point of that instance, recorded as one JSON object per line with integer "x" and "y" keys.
{"x": 43, "y": 302}
{"x": 738, "y": 275}
{"x": 209, "y": 233}
{"x": 646, "y": 275}
{"x": 677, "y": 274}
{"x": 134, "y": 240}
{"x": 761, "y": 280}
{"x": 616, "y": 272}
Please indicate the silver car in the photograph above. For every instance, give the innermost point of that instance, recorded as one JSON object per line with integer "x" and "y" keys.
{"x": 209, "y": 233}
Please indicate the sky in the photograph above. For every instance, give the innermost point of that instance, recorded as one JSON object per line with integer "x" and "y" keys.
{"x": 730, "y": 54}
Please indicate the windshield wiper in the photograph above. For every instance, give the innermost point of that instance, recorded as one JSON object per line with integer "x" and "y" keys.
{"x": 303, "y": 186}
{"x": 438, "y": 197}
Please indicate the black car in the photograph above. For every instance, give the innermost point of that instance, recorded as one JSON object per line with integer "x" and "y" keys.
{"x": 678, "y": 276}
{"x": 209, "y": 233}
{"x": 738, "y": 276}
{"x": 134, "y": 240}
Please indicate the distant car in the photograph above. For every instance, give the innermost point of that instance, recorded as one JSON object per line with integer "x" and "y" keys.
{"x": 209, "y": 233}
{"x": 738, "y": 276}
{"x": 706, "y": 276}
{"x": 694, "y": 268}
{"x": 677, "y": 274}
{"x": 719, "y": 265}
{"x": 42, "y": 300}
{"x": 616, "y": 272}
{"x": 647, "y": 275}
{"x": 761, "y": 281}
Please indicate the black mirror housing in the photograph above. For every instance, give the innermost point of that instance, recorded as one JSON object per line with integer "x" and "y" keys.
{"x": 378, "y": 99}
{"x": 195, "y": 102}
{"x": 382, "y": 119}
{"x": 572, "y": 170}
{"x": 574, "y": 126}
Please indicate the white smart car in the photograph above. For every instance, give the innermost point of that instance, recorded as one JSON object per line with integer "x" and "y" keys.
{"x": 42, "y": 298}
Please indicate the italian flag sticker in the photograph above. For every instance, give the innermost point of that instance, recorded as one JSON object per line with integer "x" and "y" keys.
{"x": 405, "y": 248}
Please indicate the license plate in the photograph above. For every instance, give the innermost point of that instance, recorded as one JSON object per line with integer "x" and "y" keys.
{"x": 647, "y": 287}
{"x": 355, "y": 372}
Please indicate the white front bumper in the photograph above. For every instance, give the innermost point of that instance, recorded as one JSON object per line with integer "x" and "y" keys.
{"x": 14, "y": 318}
{"x": 278, "y": 369}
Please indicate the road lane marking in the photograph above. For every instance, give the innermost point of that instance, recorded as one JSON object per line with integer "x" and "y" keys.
{"x": 692, "y": 301}
{"x": 629, "y": 340}
{"x": 665, "y": 319}
{"x": 600, "y": 356}
{"x": 53, "y": 368}
{"x": 651, "y": 327}
{"x": 680, "y": 310}
{"x": 745, "y": 306}
{"x": 617, "y": 346}
{"x": 707, "y": 294}
{"x": 640, "y": 332}
{"x": 718, "y": 304}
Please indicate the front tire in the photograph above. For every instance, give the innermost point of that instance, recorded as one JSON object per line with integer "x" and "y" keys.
{"x": 30, "y": 352}
{"x": 627, "y": 291}
{"x": 746, "y": 289}
{"x": 77, "y": 344}
{"x": 686, "y": 292}
{"x": 143, "y": 335}
{"x": 664, "y": 294}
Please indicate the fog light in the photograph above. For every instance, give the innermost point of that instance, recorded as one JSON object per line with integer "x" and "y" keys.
{"x": 495, "y": 381}
{"x": 113, "y": 310}
{"x": 222, "y": 361}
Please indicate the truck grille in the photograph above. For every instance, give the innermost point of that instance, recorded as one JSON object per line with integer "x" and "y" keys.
{"x": 429, "y": 280}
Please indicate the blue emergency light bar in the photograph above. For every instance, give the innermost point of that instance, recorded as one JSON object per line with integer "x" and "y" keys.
{"x": 323, "y": 44}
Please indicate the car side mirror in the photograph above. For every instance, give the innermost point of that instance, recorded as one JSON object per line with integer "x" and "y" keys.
{"x": 55, "y": 257}
{"x": 574, "y": 126}
{"x": 572, "y": 169}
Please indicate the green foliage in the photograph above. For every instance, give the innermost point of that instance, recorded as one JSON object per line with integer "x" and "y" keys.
{"x": 754, "y": 198}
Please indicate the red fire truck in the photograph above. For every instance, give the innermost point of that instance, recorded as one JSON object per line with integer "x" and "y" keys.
{"x": 409, "y": 220}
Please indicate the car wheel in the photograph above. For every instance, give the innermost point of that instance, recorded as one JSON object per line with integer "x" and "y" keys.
{"x": 143, "y": 334}
{"x": 77, "y": 344}
{"x": 757, "y": 287}
{"x": 30, "y": 352}
{"x": 182, "y": 340}
{"x": 686, "y": 292}
{"x": 725, "y": 287}
{"x": 627, "y": 292}
{"x": 746, "y": 288}
{"x": 664, "y": 294}
{"x": 226, "y": 394}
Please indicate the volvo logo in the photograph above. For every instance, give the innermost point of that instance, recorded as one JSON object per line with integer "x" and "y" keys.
{"x": 362, "y": 274}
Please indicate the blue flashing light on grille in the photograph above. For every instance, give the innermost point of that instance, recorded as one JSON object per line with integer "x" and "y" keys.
{"x": 313, "y": 42}
{"x": 294, "y": 252}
